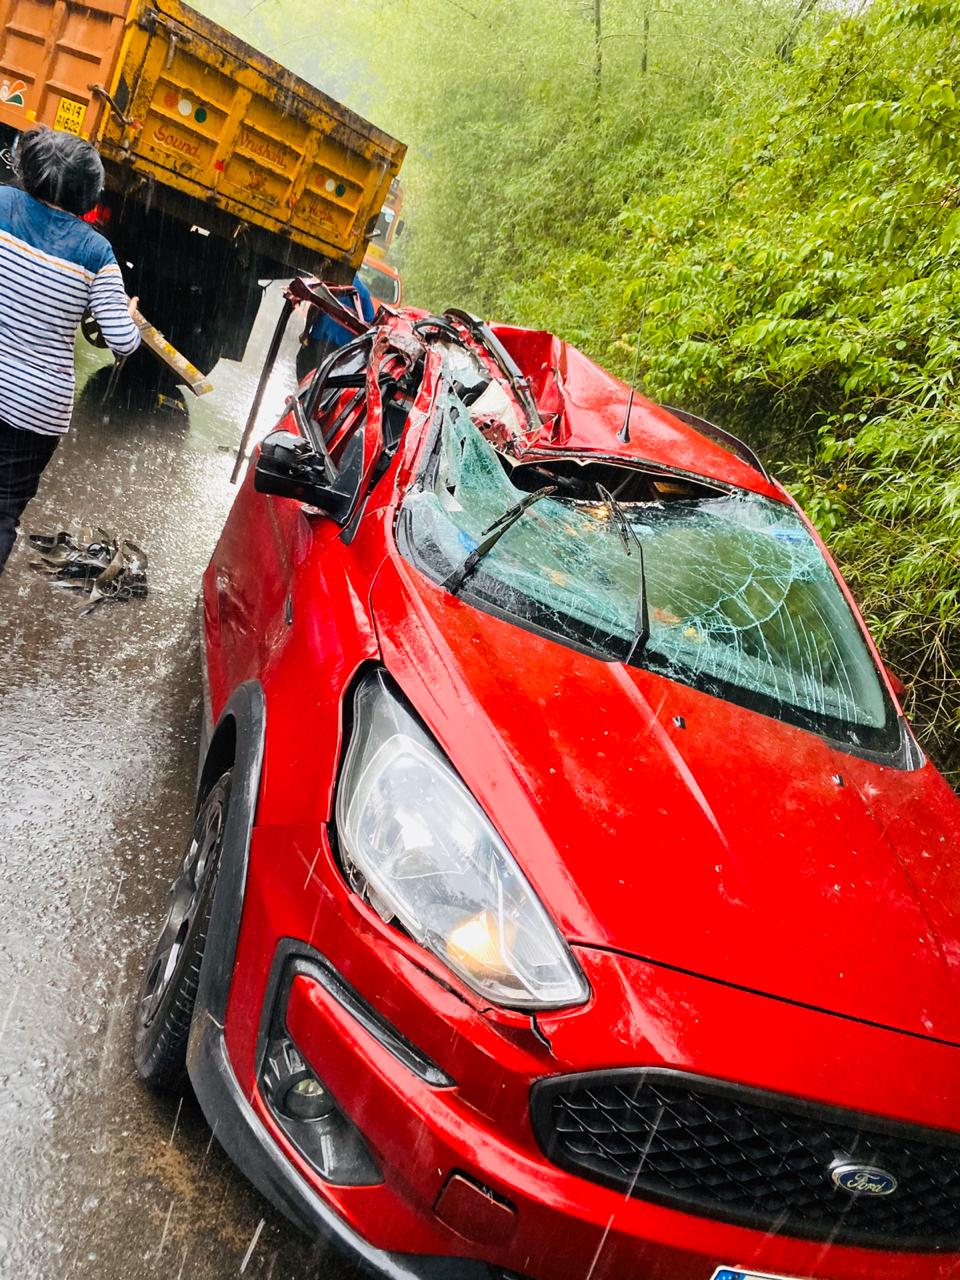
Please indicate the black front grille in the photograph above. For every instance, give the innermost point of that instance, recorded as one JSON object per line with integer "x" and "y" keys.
{"x": 751, "y": 1157}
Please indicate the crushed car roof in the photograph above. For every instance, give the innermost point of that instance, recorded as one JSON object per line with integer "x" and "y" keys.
{"x": 579, "y": 406}
{"x": 584, "y": 406}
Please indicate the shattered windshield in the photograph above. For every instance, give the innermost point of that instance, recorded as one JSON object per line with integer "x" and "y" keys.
{"x": 741, "y": 602}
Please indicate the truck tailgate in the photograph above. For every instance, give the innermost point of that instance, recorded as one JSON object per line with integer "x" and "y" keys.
{"x": 51, "y": 53}
{"x": 204, "y": 113}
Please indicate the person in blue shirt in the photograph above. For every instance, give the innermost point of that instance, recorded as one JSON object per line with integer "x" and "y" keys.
{"x": 322, "y": 334}
{"x": 53, "y": 267}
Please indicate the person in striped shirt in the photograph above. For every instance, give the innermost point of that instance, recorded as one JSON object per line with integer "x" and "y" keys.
{"x": 53, "y": 266}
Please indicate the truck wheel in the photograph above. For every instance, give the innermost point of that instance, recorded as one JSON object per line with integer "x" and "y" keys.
{"x": 168, "y": 990}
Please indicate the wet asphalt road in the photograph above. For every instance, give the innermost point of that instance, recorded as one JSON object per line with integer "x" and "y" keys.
{"x": 99, "y": 720}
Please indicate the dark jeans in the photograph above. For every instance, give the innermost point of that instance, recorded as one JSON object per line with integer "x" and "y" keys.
{"x": 23, "y": 456}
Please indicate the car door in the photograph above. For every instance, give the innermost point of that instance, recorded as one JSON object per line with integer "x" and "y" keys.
{"x": 251, "y": 582}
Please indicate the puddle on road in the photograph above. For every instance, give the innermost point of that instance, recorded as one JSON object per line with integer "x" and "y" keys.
{"x": 99, "y": 720}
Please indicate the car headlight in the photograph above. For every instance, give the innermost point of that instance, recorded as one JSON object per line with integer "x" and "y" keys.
{"x": 416, "y": 844}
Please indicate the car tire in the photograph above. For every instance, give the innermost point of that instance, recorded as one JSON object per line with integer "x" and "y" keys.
{"x": 168, "y": 989}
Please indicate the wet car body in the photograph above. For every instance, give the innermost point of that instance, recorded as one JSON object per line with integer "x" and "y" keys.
{"x": 748, "y": 1056}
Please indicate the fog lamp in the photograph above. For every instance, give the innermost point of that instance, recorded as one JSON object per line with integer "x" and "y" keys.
{"x": 307, "y": 1099}
{"x": 308, "y": 1114}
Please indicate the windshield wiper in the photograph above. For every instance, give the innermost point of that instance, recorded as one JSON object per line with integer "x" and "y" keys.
{"x": 641, "y": 631}
{"x": 494, "y": 532}
{"x": 624, "y": 527}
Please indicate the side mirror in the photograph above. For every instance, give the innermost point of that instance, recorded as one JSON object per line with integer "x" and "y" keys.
{"x": 290, "y": 467}
{"x": 897, "y": 685}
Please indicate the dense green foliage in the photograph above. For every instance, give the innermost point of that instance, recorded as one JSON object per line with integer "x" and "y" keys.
{"x": 774, "y": 184}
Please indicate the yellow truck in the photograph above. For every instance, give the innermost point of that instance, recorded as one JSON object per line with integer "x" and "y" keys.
{"x": 223, "y": 168}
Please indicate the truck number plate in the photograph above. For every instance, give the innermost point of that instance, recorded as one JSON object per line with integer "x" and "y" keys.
{"x": 70, "y": 115}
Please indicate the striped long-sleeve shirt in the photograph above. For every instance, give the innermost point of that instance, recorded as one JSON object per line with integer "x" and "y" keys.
{"x": 52, "y": 267}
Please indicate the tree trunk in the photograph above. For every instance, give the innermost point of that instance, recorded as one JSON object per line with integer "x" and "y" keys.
{"x": 786, "y": 46}
{"x": 597, "y": 49}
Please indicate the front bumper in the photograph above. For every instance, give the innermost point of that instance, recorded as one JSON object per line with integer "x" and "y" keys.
{"x": 249, "y": 1143}
{"x": 425, "y": 1139}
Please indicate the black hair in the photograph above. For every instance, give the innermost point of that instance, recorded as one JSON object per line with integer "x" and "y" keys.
{"x": 60, "y": 168}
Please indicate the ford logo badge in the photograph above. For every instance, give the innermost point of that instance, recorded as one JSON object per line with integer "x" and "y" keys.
{"x": 864, "y": 1180}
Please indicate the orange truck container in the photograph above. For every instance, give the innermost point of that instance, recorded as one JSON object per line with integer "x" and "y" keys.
{"x": 223, "y": 168}
{"x": 382, "y": 279}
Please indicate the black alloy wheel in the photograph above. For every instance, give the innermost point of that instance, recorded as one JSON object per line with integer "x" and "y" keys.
{"x": 168, "y": 990}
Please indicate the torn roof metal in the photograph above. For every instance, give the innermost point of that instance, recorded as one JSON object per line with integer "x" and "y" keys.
{"x": 583, "y": 408}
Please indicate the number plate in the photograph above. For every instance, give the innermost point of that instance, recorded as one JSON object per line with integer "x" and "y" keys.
{"x": 70, "y": 115}
{"x": 735, "y": 1273}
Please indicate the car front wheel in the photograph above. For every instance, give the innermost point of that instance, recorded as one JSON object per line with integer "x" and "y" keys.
{"x": 168, "y": 990}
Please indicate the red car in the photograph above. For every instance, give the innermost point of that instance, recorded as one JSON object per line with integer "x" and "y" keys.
{"x": 568, "y": 897}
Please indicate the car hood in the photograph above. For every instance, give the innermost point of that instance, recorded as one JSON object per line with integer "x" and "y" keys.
{"x": 668, "y": 824}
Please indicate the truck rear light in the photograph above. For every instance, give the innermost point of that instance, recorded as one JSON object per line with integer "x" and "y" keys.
{"x": 98, "y": 216}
